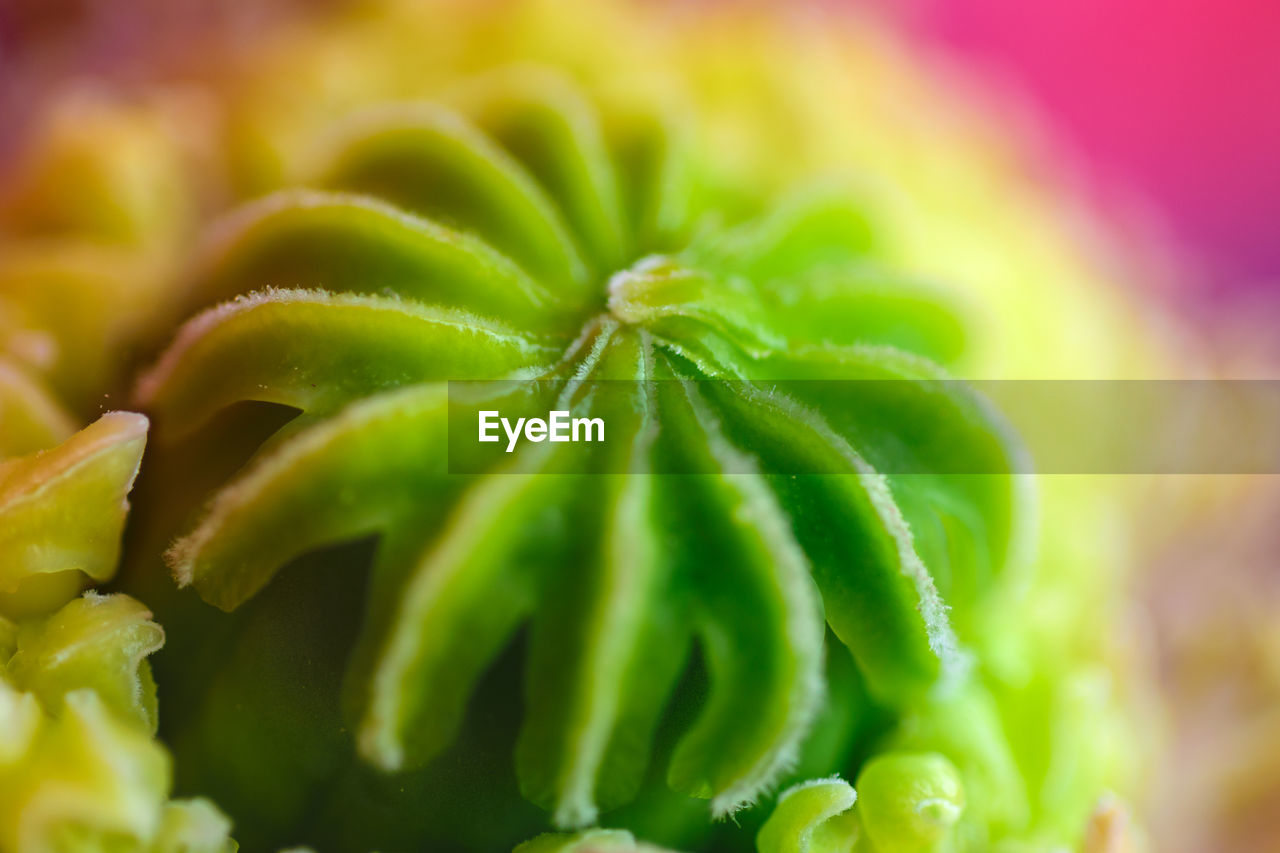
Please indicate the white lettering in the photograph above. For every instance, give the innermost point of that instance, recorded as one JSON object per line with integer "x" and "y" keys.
{"x": 513, "y": 435}
{"x": 558, "y": 427}
{"x": 587, "y": 425}
{"x": 487, "y": 423}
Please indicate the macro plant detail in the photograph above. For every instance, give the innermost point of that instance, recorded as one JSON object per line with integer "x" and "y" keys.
{"x": 527, "y": 235}
{"x": 79, "y": 768}
{"x": 63, "y": 510}
{"x": 803, "y": 597}
{"x": 87, "y": 237}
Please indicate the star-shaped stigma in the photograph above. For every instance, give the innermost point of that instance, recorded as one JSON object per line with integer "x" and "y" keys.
{"x": 531, "y": 232}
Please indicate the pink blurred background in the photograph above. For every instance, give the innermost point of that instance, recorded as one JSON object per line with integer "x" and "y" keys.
{"x": 1169, "y": 107}
{"x": 1177, "y": 100}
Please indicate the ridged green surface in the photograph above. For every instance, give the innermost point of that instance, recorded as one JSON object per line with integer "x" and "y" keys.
{"x": 374, "y": 653}
{"x": 518, "y": 238}
{"x": 80, "y": 769}
{"x": 62, "y": 512}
